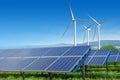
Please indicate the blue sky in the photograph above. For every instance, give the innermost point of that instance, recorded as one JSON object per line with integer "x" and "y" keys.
{"x": 42, "y": 22}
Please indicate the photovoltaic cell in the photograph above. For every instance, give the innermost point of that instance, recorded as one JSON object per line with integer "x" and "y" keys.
{"x": 98, "y": 57}
{"x": 57, "y": 51}
{"x": 65, "y": 64}
{"x": 114, "y": 53}
{"x": 14, "y": 64}
{"x": 112, "y": 58}
{"x": 40, "y": 64}
{"x": 102, "y": 52}
{"x": 8, "y": 52}
{"x": 97, "y": 61}
{"x": 92, "y": 52}
{"x": 77, "y": 51}
{"x": 35, "y": 52}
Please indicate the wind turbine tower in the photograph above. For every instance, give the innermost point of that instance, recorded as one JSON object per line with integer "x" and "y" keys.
{"x": 87, "y": 29}
{"x": 98, "y": 29}
{"x": 74, "y": 21}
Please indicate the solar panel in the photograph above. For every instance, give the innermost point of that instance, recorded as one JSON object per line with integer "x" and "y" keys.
{"x": 14, "y": 64}
{"x": 35, "y": 52}
{"x": 64, "y": 64}
{"x": 92, "y": 52}
{"x": 113, "y": 56}
{"x": 77, "y": 51}
{"x": 57, "y": 51}
{"x": 115, "y": 53}
{"x": 8, "y": 52}
{"x": 102, "y": 52}
{"x": 98, "y": 57}
{"x": 40, "y": 64}
{"x": 97, "y": 61}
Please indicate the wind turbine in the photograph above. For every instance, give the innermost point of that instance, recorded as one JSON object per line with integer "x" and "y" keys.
{"x": 98, "y": 29}
{"x": 87, "y": 30}
{"x": 73, "y": 21}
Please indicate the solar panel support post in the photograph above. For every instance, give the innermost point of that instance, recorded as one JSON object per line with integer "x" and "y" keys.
{"x": 106, "y": 70}
{"x": 107, "y": 65}
{"x": 23, "y": 75}
{"x": 83, "y": 72}
{"x": 50, "y": 76}
{"x": 65, "y": 77}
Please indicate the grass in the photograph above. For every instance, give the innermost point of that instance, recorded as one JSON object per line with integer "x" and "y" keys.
{"x": 92, "y": 73}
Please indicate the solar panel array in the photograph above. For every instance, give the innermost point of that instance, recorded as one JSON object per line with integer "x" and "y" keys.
{"x": 97, "y": 57}
{"x": 55, "y": 59}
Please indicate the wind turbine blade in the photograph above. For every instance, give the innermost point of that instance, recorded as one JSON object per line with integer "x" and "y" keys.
{"x": 91, "y": 25}
{"x": 94, "y": 20}
{"x": 94, "y": 33}
{"x": 84, "y": 36}
{"x": 71, "y": 12}
{"x": 84, "y": 26}
{"x": 66, "y": 29}
{"x": 105, "y": 21}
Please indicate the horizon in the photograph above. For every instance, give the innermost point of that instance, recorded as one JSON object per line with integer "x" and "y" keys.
{"x": 33, "y": 22}
{"x": 93, "y": 44}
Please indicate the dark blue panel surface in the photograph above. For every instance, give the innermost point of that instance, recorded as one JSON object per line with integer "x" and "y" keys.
{"x": 112, "y": 58}
{"x": 40, "y": 64}
{"x": 77, "y": 51}
{"x": 57, "y": 51}
{"x": 114, "y": 53}
{"x": 92, "y": 52}
{"x": 35, "y": 52}
{"x": 102, "y": 52}
{"x": 14, "y": 64}
{"x": 65, "y": 64}
{"x": 97, "y": 61}
{"x": 8, "y": 52}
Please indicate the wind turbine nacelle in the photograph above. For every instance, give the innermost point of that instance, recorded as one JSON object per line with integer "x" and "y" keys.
{"x": 88, "y": 29}
{"x": 74, "y": 20}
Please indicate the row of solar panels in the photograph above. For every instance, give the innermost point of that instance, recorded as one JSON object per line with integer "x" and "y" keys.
{"x": 57, "y": 59}
{"x": 104, "y": 57}
{"x": 38, "y": 52}
{"x": 63, "y": 64}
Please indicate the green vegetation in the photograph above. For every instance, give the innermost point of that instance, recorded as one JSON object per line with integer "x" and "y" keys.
{"x": 109, "y": 46}
{"x": 92, "y": 73}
